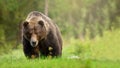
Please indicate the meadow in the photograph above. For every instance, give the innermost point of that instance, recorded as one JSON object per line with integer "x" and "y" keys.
{"x": 90, "y": 31}
{"x": 101, "y": 52}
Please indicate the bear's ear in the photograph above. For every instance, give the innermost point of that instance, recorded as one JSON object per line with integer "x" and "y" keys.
{"x": 25, "y": 24}
{"x": 41, "y": 23}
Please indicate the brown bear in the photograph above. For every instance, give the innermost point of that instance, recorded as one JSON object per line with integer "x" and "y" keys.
{"x": 41, "y": 37}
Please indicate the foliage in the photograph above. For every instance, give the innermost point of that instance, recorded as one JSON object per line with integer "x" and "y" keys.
{"x": 107, "y": 45}
{"x": 82, "y": 17}
{"x": 13, "y": 12}
{"x": 105, "y": 48}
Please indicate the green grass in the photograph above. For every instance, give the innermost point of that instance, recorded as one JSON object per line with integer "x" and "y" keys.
{"x": 17, "y": 60}
{"x": 98, "y": 53}
{"x": 107, "y": 47}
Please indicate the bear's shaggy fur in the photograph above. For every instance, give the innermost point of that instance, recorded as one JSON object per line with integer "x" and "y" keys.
{"x": 41, "y": 37}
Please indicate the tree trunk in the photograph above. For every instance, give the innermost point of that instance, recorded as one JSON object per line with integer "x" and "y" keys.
{"x": 46, "y": 7}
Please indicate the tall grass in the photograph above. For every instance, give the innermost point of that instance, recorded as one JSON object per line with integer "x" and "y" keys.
{"x": 107, "y": 47}
{"x": 17, "y": 60}
{"x": 100, "y": 48}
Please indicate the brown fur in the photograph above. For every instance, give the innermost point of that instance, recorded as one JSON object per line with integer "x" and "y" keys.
{"x": 41, "y": 36}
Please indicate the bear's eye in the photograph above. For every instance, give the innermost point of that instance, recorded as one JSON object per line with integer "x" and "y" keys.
{"x": 29, "y": 35}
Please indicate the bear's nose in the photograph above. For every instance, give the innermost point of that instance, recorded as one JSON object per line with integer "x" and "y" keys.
{"x": 34, "y": 42}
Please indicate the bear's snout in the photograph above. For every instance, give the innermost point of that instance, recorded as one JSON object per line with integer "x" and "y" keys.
{"x": 34, "y": 41}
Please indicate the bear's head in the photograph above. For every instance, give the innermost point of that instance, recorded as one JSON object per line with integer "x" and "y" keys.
{"x": 34, "y": 29}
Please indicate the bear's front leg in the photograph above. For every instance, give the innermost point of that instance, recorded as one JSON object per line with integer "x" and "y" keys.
{"x": 29, "y": 51}
{"x": 35, "y": 52}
